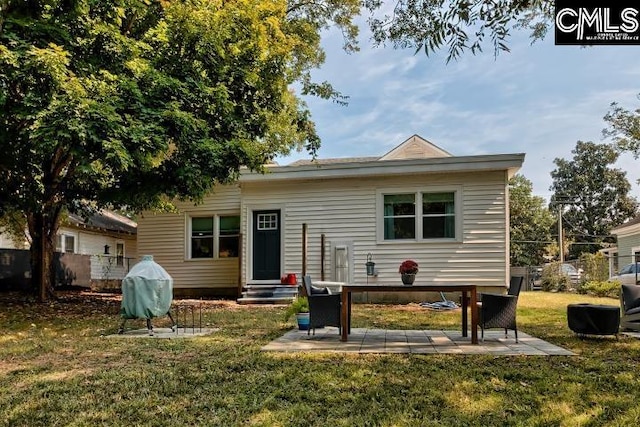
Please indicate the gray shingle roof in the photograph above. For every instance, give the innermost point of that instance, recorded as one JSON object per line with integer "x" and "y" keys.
{"x": 105, "y": 220}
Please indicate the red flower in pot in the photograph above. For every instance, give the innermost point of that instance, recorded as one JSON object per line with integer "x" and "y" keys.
{"x": 408, "y": 267}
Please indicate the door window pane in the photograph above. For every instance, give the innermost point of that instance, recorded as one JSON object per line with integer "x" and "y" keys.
{"x": 267, "y": 221}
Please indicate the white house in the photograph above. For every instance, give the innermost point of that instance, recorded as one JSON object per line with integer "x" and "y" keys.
{"x": 95, "y": 251}
{"x": 450, "y": 214}
{"x": 628, "y": 249}
{"x": 109, "y": 239}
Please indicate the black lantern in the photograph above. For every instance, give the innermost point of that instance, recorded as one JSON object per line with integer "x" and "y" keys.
{"x": 106, "y": 249}
{"x": 370, "y": 266}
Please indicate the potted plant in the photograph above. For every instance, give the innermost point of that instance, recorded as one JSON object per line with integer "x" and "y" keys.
{"x": 408, "y": 270}
{"x": 299, "y": 307}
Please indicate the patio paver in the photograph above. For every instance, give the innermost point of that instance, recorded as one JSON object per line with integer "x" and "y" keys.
{"x": 365, "y": 340}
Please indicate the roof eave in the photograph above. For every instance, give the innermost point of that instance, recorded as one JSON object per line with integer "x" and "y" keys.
{"x": 506, "y": 162}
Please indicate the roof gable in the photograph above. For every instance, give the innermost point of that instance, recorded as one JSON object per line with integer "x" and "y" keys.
{"x": 415, "y": 147}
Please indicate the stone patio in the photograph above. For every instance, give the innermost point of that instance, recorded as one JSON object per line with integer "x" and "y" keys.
{"x": 364, "y": 340}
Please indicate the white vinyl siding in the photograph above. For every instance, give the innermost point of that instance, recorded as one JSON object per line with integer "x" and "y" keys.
{"x": 165, "y": 236}
{"x": 344, "y": 210}
{"x": 347, "y": 209}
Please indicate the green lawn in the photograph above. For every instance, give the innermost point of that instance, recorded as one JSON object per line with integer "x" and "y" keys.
{"x": 56, "y": 368}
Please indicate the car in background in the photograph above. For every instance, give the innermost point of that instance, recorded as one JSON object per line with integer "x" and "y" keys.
{"x": 629, "y": 274}
{"x": 573, "y": 273}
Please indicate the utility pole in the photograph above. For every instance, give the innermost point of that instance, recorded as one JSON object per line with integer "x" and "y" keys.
{"x": 560, "y": 234}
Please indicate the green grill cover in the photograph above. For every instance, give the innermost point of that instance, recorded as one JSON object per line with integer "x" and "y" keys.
{"x": 147, "y": 290}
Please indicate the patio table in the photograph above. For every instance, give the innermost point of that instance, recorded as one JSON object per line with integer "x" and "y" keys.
{"x": 469, "y": 298}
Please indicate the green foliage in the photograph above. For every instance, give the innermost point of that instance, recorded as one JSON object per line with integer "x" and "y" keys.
{"x": 595, "y": 195}
{"x": 530, "y": 224}
{"x": 595, "y": 267}
{"x": 13, "y": 224}
{"x": 552, "y": 279}
{"x": 460, "y": 25}
{"x": 603, "y": 288}
{"x": 130, "y": 105}
{"x": 624, "y": 127}
{"x": 298, "y": 305}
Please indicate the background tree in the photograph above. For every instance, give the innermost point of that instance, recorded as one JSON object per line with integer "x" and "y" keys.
{"x": 530, "y": 223}
{"x": 130, "y": 104}
{"x": 624, "y": 127}
{"x": 460, "y": 25}
{"x": 594, "y": 196}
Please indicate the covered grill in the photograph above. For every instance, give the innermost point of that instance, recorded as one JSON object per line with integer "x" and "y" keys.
{"x": 147, "y": 292}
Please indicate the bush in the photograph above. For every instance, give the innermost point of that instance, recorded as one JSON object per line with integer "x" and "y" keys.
{"x": 595, "y": 267}
{"x": 298, "y": 305}
{"x": 605, "y": 288}
{"x": 553, "y": 280}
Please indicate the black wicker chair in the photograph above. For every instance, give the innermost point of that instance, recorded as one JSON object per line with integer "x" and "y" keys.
{"x": 499, "y": 311}
{"x": 515, "y": 285}
{"x": 324, "y": 307}
{"x": 630, "y": 305}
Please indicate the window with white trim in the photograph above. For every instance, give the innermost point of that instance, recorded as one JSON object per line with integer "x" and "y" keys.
{"x": 420, "y": 215}
{"x": 66, "y": 243}
{"x": 229, "y": 236}
{"x": 268, "y": 221}
{"x": 202, "y": 237}
{"x": 120, "y": 253}
{"x": 399, "y": 216}
{"x": 216, "y": 236}
{"x": 438, "y": 215}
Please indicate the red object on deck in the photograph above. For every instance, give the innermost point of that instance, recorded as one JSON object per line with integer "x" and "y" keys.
{"x": 289, "y": 279}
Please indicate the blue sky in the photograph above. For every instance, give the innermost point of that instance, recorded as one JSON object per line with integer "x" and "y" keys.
{"x": 538, "y": 99}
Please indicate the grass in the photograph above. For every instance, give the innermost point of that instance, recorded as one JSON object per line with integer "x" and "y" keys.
{"x": 57, "y": 368}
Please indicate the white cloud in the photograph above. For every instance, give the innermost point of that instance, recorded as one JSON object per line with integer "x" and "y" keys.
{"x": 537, "y": 99}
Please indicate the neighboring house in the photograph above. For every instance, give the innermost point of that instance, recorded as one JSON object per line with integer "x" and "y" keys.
{"x": 628, "y": 249}
{"x": 108, "y": 238}
{"x": 419, "y": 202}
{"x": 96, "y": 252}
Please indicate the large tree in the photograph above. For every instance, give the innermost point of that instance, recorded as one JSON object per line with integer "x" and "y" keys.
{"x": 530, "y": 223}
{"x": 458, "y": 25}
{"x": 624, "y": 127}
{"x": 593, "y": 195}
{"x": 131, "y": 103}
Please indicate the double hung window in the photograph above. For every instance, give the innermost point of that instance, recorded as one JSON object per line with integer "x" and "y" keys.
{"x": 65, "y": 243}
{"x": 420, "y": 215}
{"x": 215, "y": 236}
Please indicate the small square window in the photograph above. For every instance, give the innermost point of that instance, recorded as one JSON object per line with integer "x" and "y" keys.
{"x": 267, "y": 222}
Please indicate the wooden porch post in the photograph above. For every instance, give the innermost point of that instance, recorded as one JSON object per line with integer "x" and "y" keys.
{"x": 304, "y": 249}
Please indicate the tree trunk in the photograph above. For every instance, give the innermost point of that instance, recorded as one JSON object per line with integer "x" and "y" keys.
{"x": 43, "y": 228}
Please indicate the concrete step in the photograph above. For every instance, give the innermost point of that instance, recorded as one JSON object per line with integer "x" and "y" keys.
{"x": 275, "y": 293}
{"x": 266, "y": 300}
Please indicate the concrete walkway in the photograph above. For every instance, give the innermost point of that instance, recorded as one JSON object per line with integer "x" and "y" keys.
{"x": 363, "y": 340}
